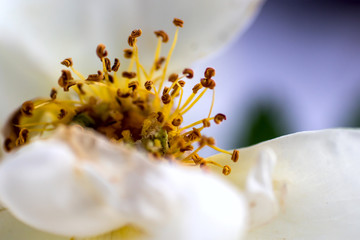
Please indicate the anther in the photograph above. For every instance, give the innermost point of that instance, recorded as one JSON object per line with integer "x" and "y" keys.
{"x": 100, "y": 51}
{"x": 129, "y": 75}
{"x": 168, "y": 127}
{"x": 193, "y": 135}
{"x": 128, "y": 53}
{"x": 111, "y": 78}
{"x": 173, "y": 77}
{"x": 178, "y": 22}
{"x": 65, "y": 78}
{"x": 133, "y": 85}
{"x": 148, "y": 85}
{"x": 196, "y": 88}
{"x": 163, "y": 35}
{"x": 8, "y": 144}
{"x": 107, "y": 64}
{"x": 136, "y": 33}
{"x": 67, "y": 62}
{"x": 208, "y": 83}
{"x": 209, "y": 73}
{"x": 226, "y": 170}
{"x": 116, "y": 65}
{"x": 219, "y": 118}
{"x": 23, "y": 136}
{"x": 80, "y": 87}
{"x": 95, "y": 77}
{"x": 53, "y": 93}
{"x": 181, "y": 83}
{"x": 206, "y": 123}
{"x": 160, "y": 117}
{"x": 62, "y": 114}
{"x": 165, "y": 90}
{"x": 159, "y": 62}
{"x": 235, "y": 156}
{"x": 166, "y": 98}
{"x": 188, "y": 72}
{"x": 177, "y": 121}
{"x": 131, "y": 41}
{"x": 197, "y": 159}
{"x": 27, "y": 108}
{"x": 187, "y": 148}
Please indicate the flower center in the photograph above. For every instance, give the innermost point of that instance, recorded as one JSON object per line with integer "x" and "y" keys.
{"x": 134, "y": 107}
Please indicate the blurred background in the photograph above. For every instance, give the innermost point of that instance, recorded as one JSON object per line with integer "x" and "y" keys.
{"x": 296, "y": 68}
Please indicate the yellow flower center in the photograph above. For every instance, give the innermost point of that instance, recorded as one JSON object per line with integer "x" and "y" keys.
{"x": 134, "y": 107}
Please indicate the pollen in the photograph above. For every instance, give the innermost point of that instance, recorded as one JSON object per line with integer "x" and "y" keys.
{"x": 136, "y": 107}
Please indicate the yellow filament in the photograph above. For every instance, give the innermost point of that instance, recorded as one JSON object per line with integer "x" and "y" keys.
{"x": 157, "y": 55}
{"x": 194, "y": 124}
{"x": 168, "y": 58}
{"x": 77, "y": 73}
{"x": 212, "y": 103}
{"x": 194, "y": 102}
{"x": 220, "y": 150}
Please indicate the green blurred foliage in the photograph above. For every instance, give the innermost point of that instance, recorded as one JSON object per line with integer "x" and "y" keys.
{"x": 265, "y": 121}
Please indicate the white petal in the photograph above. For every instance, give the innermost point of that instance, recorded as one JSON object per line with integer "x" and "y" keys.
{"x": 78, "y": 183}
{"x": 259, "y": 189}
{"x": 320, "y": 173}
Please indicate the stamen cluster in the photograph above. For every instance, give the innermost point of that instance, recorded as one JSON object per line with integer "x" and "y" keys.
{"x": 133, "y": 107}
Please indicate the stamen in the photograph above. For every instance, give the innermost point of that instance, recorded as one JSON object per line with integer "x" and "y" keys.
{"x": 219, "y": 118}
{"x": 67, "y": 62}
{"x": 27, "y": 108}
{"x": 178, "y": 22}
{"x": 128, "y": 53}
{"x": 163, "y": 35}
{"x": 128, "y": 75}
{"x": 188, "y": 72}
{"x": 100, "y": 51}
{"x": 53, "y": 94}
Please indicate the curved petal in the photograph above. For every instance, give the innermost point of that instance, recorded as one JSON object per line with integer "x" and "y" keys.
{"x": 318, "y": 174}
{"x": 77, "y": 183}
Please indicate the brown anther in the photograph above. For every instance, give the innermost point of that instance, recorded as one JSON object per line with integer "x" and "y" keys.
{"x": 133, "y": 85}
{"x": 80, "y": 87}
{"x": 148, "y": 85}
{"x": 165, "y": 90}
{"x": 159, "y": 62}
{"x": 67, "y": 62}
{"x": 8, "y": 144}
{"x": 206, "y": 122}
{"x": 196, "y": 88}
{"x": 65, "y": 78}
{"x": 174, "y": 91}
{"x": 129, "y": 75}
{"x": 53, "y": 94}
{"x": 163, "y": 35}
{"x": 23, "y": 137}
{"x": 116, "y": 65}
{"x": 177, "y": 121}
{"x": 197, "y": 159}
{"x": 62, "y": 114}
{"x": 168, "y": 127}
{"x": 226, "y": 170}
{"x": 209, "y": 73}
{"x": 95, "y": 77}
{"x": 139, "y": 103}
{"x": 166, "y": 98}
{"x": 208, "y": 83}
{"x": 219, "y": 118}
{"x": 128, "y": 53}
{"x": 160, "y": 117}
{"x": 181, "y": 83}
{"x": 27, "y": 108}
{"x": 235, "y": 156}
{"x": 188, "y": 72}
{"x": 178, "y": 22}
{"x": 187, "y": 148}
{"x": 210, "y": 141}
{"x": 173, "y": 77}
{"x": 100, "y": 51}
{"x": 24, "y": 134}
{"x": 136, "y": 33}
{"x": 193, "y": 135}
{"x": 107, "y": 64}
{"x": 111, "y": 78}
{"x": 131, "y": 41}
